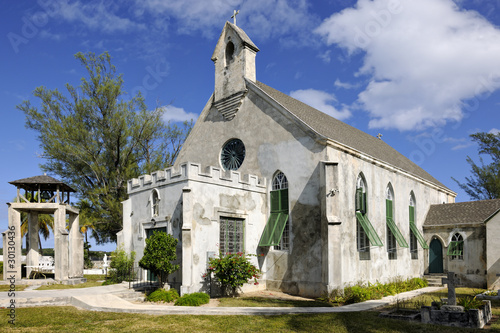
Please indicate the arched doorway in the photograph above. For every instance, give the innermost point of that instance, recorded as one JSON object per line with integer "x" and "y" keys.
{"x": 435, "y": 256}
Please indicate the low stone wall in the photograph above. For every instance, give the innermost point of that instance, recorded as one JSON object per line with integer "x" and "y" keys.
{"x": 474, "y": 318}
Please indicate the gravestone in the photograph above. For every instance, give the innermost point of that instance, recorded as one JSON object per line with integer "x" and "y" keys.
{"x": 452, "y": 281}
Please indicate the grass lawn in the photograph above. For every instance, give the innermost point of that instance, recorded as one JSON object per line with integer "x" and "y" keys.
{"x": 427, "y": 299}
{"x": 66, "y": 318}
{"x": 92, "y": 281}
{"x": 270, "y": 302}
{"x": 5, "y": 287}
{"x": 69, "y": 319}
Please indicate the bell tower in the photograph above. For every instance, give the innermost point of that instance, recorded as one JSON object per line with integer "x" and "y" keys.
{"x": 234, "y": 59}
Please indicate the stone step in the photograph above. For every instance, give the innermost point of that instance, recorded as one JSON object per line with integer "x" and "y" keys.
{"x": 435, "y": 280}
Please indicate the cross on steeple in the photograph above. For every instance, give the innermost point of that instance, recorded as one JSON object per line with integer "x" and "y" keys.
{"x": 379, "y": 136}
{"x": 235, "y": 12}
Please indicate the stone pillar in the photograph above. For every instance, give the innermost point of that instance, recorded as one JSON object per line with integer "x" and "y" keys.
{"x": 331, "y": 227}
{"x": 187, "y": 249}
{"x": 75, "y": 247}
{"x": 33, "y": 254}
{"x": 61, "y": 244}
{"x": 12, "y": 246}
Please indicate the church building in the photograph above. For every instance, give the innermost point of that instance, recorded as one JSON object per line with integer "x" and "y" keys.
{"x": 321, "y": 203}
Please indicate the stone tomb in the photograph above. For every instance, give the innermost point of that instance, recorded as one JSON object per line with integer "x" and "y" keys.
{"x": 44, "y": 195}
{"x": 452, "y": 314}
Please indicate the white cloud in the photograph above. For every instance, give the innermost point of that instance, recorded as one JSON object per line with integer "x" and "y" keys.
{"x": 322, "y": 101}
{"x": 494, "y": 131}
{"x": 263, "y": 17}
{"x": 95, "y": 15}
{"x": 425, "y": 59}
{"x": 462, "y": 146}
{"x": 176, "y": 114}
{"x": 345, "y": 85}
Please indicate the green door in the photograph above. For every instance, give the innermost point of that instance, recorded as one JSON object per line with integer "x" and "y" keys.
{"x": 149, "y": 232}
{"x": 435, "y": 257}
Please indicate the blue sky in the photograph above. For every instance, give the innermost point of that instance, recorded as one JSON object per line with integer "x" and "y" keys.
{"x": 423, "y": 73}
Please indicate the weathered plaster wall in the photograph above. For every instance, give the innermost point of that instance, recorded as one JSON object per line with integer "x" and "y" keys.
{"x": 206, "y": 196}
{"x": 379, "y": 267}
{"x": 493, "y": 252}
{"x": 472, "y": 269}
{"x": 272, "y": 142}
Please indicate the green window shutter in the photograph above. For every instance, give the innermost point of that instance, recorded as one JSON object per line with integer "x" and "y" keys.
{"x": 369, "y": 230}
{"x": 279, "y": 200}
{"x": 456, "y": 248}
{"x": 274, "y": 229}
{"x": 420, "y": 238}
{"x": 363, "y": 203}
{"x": 395, "y": 231}
{"x": 278, "y": 230}
{"x": 412, "y": 214}
{"x": 275, "y": 201}
{"x": 388, "y": 208}
{"x": 284, "y": 200}
{"x": 359, "y": 199}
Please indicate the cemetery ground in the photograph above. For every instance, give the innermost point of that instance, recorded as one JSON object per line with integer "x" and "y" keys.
{"x": 68, "y": 318}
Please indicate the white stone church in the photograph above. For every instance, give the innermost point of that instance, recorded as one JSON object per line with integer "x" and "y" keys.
{"x": 324, "y": 204}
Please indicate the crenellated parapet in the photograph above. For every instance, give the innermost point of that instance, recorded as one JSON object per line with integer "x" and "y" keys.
{"x": 193, "y": 172}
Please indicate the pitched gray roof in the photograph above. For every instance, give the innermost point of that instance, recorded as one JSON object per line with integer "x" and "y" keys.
{"x": 471, "y": 212}
{"x": 45, "y": 182}
{"x": 345, "y": 134}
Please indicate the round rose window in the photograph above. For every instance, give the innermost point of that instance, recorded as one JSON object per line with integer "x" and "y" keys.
{"x": 233, "y": 154}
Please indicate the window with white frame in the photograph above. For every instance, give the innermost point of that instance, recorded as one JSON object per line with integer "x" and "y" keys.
{"x": 413, "y": 237}
{"x": 456, "y": 247}
{"x": 155, "y": 203}
{"x": 362, "y": 240}
{"x": 391, "y": 237}
{"x": 277, "y": 230}
{"x": 280, "y": 183}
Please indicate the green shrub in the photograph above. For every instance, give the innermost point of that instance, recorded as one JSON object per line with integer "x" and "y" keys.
{"x": 232, "y": 271}
{"x": 363, "y": 292}
{"x": 469, "y": 302}
{"x": 162, "y": 295}
{"x": 122, "y": 265}
{"x": 194, "y": 299}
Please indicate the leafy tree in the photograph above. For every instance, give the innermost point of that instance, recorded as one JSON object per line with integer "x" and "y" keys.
{"x": 121, "y": 265}
{"x": 484, "y": 183}
{"x": 96, "y": 138}
{"x": 159, "y": 253}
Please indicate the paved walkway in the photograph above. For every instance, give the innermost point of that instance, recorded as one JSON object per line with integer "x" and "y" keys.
{"x": 112, "y": 299}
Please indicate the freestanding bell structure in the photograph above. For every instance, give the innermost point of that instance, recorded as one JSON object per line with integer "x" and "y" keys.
{"x": 44, "y": 195}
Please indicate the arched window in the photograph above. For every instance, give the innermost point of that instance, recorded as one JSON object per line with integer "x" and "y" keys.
{"x": 280, "y": 183}
{"x": 456, "y": 247}
{"x": 277, "y": 230}
{"x": 229, "y": 52}
{"x": 413, "y": 236}
{"x": 155, "y": 203}
{"x": 362, "y": 239}
{"x": 389, "y": 211}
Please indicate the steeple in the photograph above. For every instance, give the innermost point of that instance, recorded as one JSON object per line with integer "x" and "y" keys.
{"x": 234, "y": 59}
